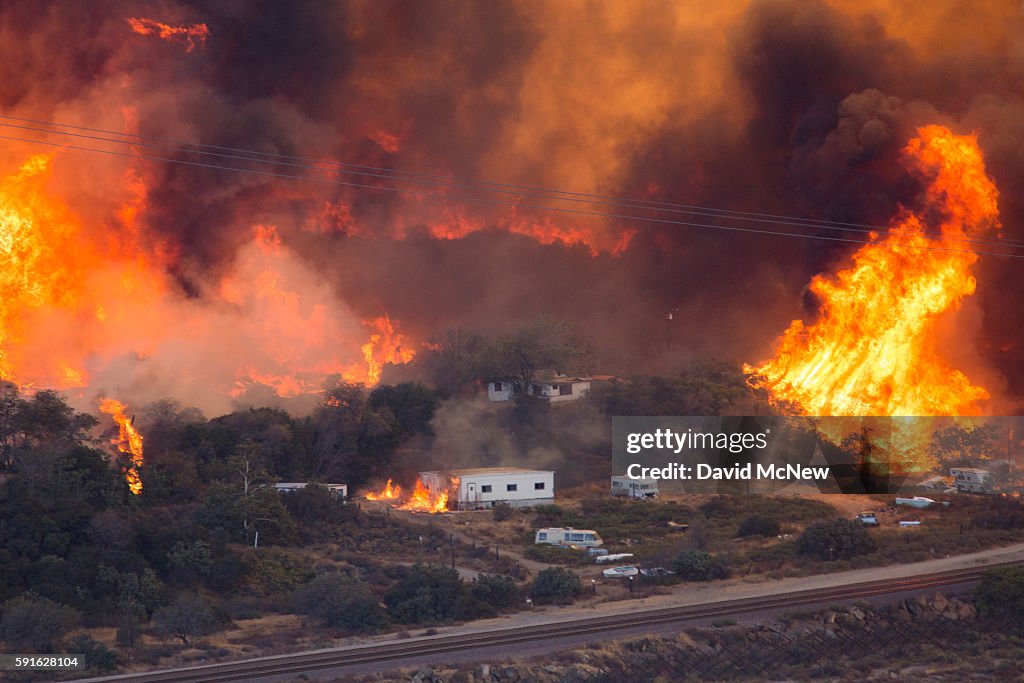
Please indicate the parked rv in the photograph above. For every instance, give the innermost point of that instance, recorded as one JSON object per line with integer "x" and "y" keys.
{"x": 634, "y": 488}
{"x": 567, "y": 536}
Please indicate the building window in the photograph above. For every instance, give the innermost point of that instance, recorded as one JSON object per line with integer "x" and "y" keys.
{"x": 497, "y": 386}
{"x": 539, "y": 486}
{"x": 512, "y": 487}
{"x": 486, "y": 488}
{"x": 542, "y": 536}
{"x": 565, "y": 390}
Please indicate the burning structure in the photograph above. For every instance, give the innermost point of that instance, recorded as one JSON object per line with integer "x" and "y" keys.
{"x": 482, "y": 487}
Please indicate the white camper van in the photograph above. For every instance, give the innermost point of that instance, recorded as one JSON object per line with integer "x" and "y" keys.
{"x": 567, "y": 536}
{"x": 634, "y": 488}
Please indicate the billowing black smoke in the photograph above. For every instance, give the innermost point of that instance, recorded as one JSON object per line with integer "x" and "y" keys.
{"x": 781, "y": 107}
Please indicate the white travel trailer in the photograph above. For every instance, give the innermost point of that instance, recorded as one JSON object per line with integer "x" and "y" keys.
{"x": 634, "y": 488}
{"x": 567, "y": 536}
{"x": 482, "y": 487}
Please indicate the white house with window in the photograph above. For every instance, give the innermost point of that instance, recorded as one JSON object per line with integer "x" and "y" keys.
{"x": 550, "y": 387}
{"x": 971, "y": 479}
{"x": 482, "y": 487}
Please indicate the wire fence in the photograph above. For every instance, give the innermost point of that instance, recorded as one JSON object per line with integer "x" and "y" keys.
{"x": 818, "y": 650}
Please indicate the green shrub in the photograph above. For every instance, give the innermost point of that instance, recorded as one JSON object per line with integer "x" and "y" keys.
{"x": 428, "y": 594}
{"x": 553, "y": 554}
{"x": 556, "y": 585}
{"x": 499, "y": 592}
{"x": 697, "y": 565}
{"x": 839, "y": 539}
{"x": 340, "y": 602}
{"x": 759, "y": 525}
{"x": 1001, "y": 592}
{"x": 98, "y": 657}
{"x": 35, "y": 624}
{"x": 502, "y": 512}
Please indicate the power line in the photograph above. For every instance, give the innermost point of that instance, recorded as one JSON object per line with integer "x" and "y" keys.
{"x": 480, "y": 200}
{"x": 396, "y": 175}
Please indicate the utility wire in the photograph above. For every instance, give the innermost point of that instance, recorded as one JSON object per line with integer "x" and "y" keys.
{"x": 443, "y": 181}
{"x": 480, "y": 200}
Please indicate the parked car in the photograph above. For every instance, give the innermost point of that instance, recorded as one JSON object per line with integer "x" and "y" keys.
{"x": 620, "y": 572}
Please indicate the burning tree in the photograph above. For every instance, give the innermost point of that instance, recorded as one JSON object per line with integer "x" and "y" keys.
{"x": 128, "y": 442}
{"x": 544, "y": 343}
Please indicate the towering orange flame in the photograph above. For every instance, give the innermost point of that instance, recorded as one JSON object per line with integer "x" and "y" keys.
{"x": 873, "y": 349}
{"x": 38, "y": 271}
{"x": 188, "y": 35}
{"x": 128, "y": 442}
{"x": 387, "y": 493}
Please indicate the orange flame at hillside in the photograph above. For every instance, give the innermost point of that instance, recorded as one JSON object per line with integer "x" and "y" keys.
{"x": 385, "y": 345}
{"x": 188, "y": 35}
{"x": 873, "y": 349}
{"x": 387, "y": 493}
{"x": 77, "y": 304}
{"x": 455, "y": 224}
{"x": 128, "y": 442}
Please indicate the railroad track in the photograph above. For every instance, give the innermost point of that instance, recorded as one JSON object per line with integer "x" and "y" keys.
{"x": 432, "y": 645}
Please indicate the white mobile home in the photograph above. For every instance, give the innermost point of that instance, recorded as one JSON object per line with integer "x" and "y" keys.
{"x": 634, "y": 488}
{"x": 482, "y": 487}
